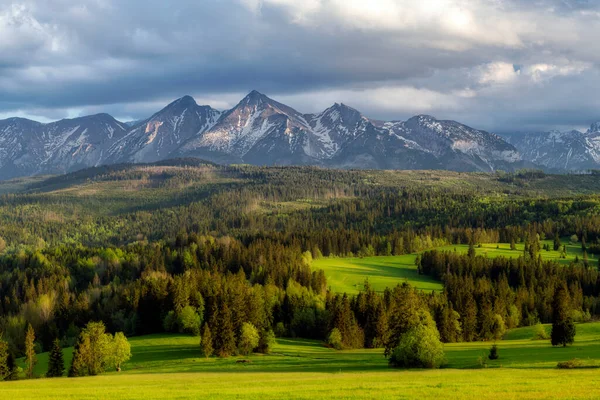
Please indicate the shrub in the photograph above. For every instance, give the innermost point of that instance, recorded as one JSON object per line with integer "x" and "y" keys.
{"x": 280, "y": 330}
{"x": 539, "y": 332}
{"x": 189, "y": 321}
{"x": 186, "y": 321}
{"x": 249, "y": 338}
{"x": 335, "y": 339}
{"x": 493, "y": 353}
{"x": 420, "y": 347}
{"x": 266, "y": 341}
{"x": 571, "y": 364}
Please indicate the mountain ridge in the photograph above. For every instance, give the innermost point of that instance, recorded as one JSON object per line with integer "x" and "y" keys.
{"x": 262, "y": 131}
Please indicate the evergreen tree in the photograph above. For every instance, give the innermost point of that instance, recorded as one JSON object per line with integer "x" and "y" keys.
{"x": 13, "y": 368}
{"x": 4, "y": 353}
{"x": 206, "y": 342}
{"x": 30, "y": 355}
{"x": 563, "y": 327}
{"x": 224, "y": 341}
{"x": 469, "y": 319}
{"x": 56, "y": 364}
{"x": 80, "y": 355}
{"x": 471, "y": 252}
{"x": 556, "y": 242}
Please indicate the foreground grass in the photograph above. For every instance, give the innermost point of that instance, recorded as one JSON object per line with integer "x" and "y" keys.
{"x": 348, "y": 275}
{"x": 456, "y": 384}
{"x": 170, "y": 367}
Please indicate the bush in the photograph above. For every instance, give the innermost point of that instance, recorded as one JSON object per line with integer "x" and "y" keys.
{"x": 280, "y": 330}
{"x": 249, "y": 338}
{"x": 539, "y": 332}
{"x": 493, "y": 353}
{"x": 266, "y": 341}
{"x": 189, "y": 321}
{"x": 420, "y": 347}
{"x": 335, "y": 339}
{"x": 571, "y": 364}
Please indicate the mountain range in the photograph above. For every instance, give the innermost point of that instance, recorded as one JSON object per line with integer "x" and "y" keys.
{"x": 262, "y": 131}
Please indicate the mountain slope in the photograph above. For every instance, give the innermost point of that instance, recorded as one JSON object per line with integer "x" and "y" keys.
{"x": 157, "y": 137}
{"x": 257, "y": 121}
{"x": 561, "y": 151}
{"x": 28, "y": 147}
{"x": 258, "y": 130}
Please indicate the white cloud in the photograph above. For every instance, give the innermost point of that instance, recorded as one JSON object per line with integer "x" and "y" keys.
{"x": 497, "y": 73}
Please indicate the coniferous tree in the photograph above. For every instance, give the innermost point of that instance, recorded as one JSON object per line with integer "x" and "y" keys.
{"x": 30, "y": 355}
{"x": 563, "y": 327}
{"x": 4, "y": 353}
{"x": 469, "y": 319}
{"x": 557, "y": 243}
{"x": 80, "y": 354}
{"x": 471, "y": 252}
{"x": 56, "y": 364}
{"x": 206, "y": 342}
{"x": 225, "y": 336}
{"x": 13, "y": 368}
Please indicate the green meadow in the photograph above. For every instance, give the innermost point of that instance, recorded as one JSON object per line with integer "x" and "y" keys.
{"x": 348, "y": 275}
{"x": 170, "y": 367}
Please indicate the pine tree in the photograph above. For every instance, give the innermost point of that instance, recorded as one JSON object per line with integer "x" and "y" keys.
{"x": 556, "y": 242}
{"x": 563, "y": 327}
{"x": 78, "y": 363}
{"x": 471, "y": 252}
{"x": 56, "y": 364}
{"x": 13, "y": 369}
{"x": 206, "y": 342}
{"x": 30, "y": 350}
{"x": 4, "y": 353}
{"x": 224, "y": 342}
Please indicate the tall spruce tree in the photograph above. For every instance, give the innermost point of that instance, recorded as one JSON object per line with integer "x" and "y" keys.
{"x": 563, "y": 327}
{"x": 557, "y": 243}
{"x": 30, "y": 356}
{"x": 206, "y": 342}
{"x": 56, "y": 363}
{"x": 4, "y": 353}
{"x": 224, "y": 342}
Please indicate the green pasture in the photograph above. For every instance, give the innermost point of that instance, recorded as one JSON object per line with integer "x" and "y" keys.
{"x": 348, "y": 275}
{"x": 170, "y": 367}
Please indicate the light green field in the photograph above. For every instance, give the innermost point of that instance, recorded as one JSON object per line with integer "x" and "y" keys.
{"x": 347, "y": 275}
{"x": 169, "y": 366}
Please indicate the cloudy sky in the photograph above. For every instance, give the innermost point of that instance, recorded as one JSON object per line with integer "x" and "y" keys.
{"x": 501, "y": 65}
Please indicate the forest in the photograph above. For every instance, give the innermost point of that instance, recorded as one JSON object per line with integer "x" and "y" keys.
{"x": 226, "y": 253}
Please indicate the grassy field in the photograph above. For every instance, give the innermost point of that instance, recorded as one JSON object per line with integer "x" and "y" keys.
{"x": 348, "y": 274}
{"x": 169, "y": 366}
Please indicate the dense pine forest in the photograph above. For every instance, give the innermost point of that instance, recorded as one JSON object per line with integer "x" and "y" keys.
{"x": 226, "y": 253}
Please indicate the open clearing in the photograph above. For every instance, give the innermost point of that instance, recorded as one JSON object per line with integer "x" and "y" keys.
{"x": 347, "y": 275}
{"x": 170, "y": 366}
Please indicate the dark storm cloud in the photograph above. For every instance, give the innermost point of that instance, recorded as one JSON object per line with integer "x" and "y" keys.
{"x": 389, "y": 58}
